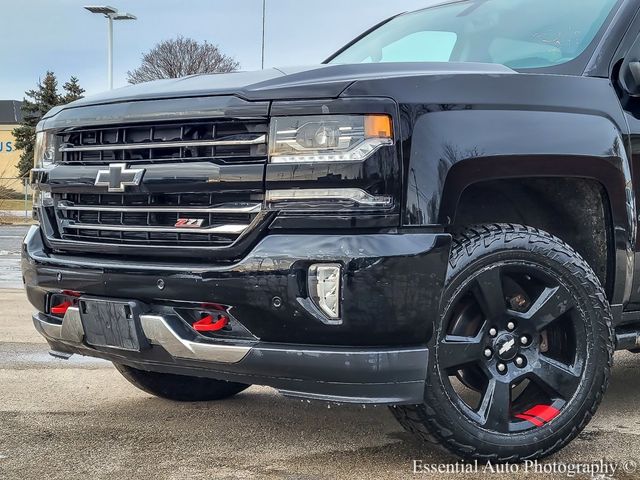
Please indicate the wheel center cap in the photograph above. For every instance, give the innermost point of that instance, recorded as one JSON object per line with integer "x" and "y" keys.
{"x": 506, "y": 346}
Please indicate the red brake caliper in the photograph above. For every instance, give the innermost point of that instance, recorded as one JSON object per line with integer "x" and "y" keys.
{"x": 539, "y": 415}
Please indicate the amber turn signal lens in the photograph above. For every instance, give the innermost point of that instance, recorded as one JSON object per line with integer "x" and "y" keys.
{"x": 378, "y": 126}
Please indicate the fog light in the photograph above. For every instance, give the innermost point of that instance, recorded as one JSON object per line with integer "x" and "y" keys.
{"x": 324, "y": 287}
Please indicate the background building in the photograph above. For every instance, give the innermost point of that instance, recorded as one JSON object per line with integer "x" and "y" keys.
{"x": 10, "y": 117}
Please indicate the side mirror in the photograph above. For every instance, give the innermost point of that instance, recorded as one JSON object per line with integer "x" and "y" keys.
{"x": 630, "y": 78}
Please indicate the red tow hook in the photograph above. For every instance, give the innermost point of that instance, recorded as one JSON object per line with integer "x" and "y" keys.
{"x": 61, "y": 308}
{"x": 207, "y": 324}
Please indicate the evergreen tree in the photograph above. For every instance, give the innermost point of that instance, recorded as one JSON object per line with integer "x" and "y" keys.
{"x": 36, "y": 103}
{"x": 73, "y": 90}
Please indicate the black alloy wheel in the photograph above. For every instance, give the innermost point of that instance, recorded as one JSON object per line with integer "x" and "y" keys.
{"x": 521, "y": 354}
{"x": 516, "y": 341}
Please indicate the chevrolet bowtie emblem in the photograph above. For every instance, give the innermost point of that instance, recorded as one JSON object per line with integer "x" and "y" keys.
{"x": 118, "y": 177}
{"x": 507, "y": 346}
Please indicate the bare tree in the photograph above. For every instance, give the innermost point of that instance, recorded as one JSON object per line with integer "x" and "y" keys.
{"x": 180, "y": 57}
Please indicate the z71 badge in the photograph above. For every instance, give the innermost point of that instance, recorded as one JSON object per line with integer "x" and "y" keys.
{"x": 189, "y": 223}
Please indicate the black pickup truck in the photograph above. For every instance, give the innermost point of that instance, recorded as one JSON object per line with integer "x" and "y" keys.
{"x": 440, "y": 218}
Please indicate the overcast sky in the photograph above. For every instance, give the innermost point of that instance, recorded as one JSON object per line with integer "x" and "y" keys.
{"x": 59, "y": 35}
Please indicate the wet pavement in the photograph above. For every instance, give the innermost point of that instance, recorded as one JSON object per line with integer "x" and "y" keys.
{"x": 79, "y": 419}
{"x": 10, "y": 242}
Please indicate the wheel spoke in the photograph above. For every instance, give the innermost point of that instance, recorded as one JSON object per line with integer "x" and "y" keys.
{"x": 562, "y": 379}
{"x": 490, "y": 294}
{"x": 549, "y": 306}
{"x": 495, "y": 408}
{"x": 456, "y": 351}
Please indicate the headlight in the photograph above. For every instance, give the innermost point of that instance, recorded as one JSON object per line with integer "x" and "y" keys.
{"x": 44, "y": 152}
{"x": 328, "y": 138}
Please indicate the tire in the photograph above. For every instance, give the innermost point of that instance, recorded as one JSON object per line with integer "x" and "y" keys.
{"x": 519, "y": 297}
{"x": 180, "y": 388}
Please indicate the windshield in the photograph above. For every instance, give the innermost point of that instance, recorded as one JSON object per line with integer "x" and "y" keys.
{"x": 515, "y": 33}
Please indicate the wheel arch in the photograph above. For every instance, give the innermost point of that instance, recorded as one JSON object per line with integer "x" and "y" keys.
{"x": 582, "y": 200}
{"x": 452, "y": 150}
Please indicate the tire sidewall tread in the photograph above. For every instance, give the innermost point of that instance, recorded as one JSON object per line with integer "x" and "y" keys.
{"x": 473, "y": 246}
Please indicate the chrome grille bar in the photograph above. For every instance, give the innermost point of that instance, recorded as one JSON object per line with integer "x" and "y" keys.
{"x": 253, "y": 208}
{"x": 262, "y": 139}
{"x": 220, "y": 229}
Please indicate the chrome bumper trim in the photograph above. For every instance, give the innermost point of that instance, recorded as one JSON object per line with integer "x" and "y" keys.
{"x": 159, "y": 332}
{"x": 156, "y": 329}
{"x": 70, "y": 331}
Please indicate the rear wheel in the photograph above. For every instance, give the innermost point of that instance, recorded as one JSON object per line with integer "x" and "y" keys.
{"x": 180, "y": 388}
{"x": 521, "y": 353}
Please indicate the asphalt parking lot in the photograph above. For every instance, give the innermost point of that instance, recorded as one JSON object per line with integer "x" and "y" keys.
{"x": 10, "y": 240}
{"x": 80, "y": 419}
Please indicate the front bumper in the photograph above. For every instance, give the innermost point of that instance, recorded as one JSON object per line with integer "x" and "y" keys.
{"x": 377, "y": 354}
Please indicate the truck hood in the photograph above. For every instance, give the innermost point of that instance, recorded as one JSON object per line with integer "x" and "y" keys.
{"x": 320, "y": 81}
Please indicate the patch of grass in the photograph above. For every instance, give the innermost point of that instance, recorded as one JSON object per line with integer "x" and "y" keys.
{"x": 13, "y": 220}
{"x": 6, "y": 204}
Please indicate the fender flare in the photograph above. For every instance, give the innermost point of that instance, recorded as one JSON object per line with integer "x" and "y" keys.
{"x": 452, "y": 150}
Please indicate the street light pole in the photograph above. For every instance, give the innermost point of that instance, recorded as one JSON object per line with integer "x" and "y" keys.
{"x": 110, "y": 14}
{"x": 110, "y": 52}
{"x": 264, "y": 22}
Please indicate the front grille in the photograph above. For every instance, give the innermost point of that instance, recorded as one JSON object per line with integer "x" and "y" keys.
{"x": 215, "y": 210}
{"x": 215, "y": 220}
{"x": 222, "y": 141}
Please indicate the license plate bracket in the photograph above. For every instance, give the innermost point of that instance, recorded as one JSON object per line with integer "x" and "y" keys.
{"x": 113, "y": 324}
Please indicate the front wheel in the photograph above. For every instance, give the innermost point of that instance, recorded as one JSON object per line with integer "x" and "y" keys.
{"x": 180, "y": 388}
{"x": 521, "y": 353}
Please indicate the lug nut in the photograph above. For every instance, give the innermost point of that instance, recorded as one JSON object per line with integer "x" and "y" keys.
{"x": 493, "y": 332}
{"x": 502, "y": 367}
{"x": 519, "y": 302}
{"x": 511, "y": 326}
{"x": 520, "y": 361}
{"x": 488, "y": 353}
{"x": 524, "y": 340}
